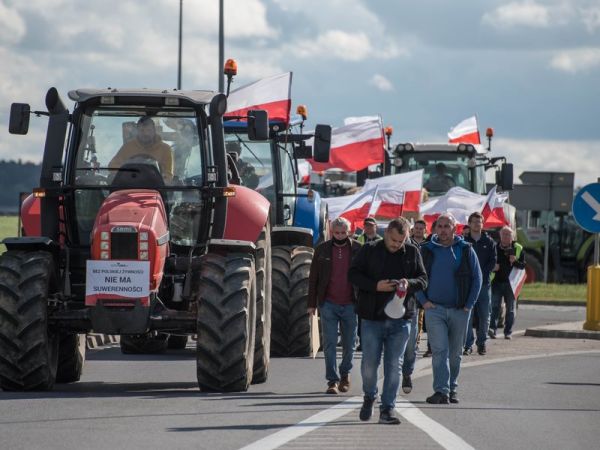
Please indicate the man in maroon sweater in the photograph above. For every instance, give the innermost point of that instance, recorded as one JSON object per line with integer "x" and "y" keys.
{"x": 330, "y": 290}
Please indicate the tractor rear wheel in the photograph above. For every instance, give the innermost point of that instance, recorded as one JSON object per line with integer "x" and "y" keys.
{"x": 262, "y": 346}
{"x": 28, "y": 349}
{"x": 290, "y": 335}
{"x": 225, "y": 293}
{"x": 143, "y": 344}
{"x": 533, "y": 269}
{"x": 71, "y": 357}
{"x": 177, "y": 342}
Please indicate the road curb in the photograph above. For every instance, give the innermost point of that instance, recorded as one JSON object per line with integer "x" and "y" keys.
{"x": 552, "y": 303}
{"x": 569, "y": 330}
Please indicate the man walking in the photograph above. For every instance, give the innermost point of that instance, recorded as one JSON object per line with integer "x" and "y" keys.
{"x": 369, "y": 231}
{"x": 454, "y": 284}
{"x": 510, "y": 254}
{"x": 330, "y": 289}
{"x": 485, "y": 248}
{"x": 377, "y": 271}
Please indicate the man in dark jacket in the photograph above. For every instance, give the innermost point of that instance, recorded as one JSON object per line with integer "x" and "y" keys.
{"x": 454, "y": 283}
{"x": 485, "y": 247}
{"x": 330, "y": 290}
{"x": 377, "y": 270}
{"x": 509, "y": 255}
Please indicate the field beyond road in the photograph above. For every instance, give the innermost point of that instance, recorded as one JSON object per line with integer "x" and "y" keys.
{"x": 8, "y": 228}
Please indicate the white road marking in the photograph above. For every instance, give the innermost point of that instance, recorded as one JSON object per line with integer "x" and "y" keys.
{"x": 440, "y": 434}
{"x": 436, "y": 431}
{"x": 284, "y": 436}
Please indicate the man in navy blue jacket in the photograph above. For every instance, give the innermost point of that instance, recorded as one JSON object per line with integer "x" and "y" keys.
{"x": 454, "y": 283}
{"x": 485, "y": 247}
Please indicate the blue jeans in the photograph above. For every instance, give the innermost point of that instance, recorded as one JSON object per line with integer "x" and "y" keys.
{"x": 333, "y": 315}
{"x": 482, "y": 310}
{"x": 502, "y": 290}
{"x": 389, "y": 335}
{"x": 446, "y": 331}
{"x": 410, "y": 355}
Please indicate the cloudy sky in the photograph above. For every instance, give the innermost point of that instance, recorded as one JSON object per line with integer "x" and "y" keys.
{"x": 528, "y": 68}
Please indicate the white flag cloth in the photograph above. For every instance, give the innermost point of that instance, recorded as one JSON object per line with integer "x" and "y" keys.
{"x": 465, "y": 132}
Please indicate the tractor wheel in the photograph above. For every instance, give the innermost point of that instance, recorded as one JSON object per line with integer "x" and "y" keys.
{"x": 225, "y": 293}
{"x": 262, "y": 345}
{"x": 290, "y": 335}
{"x": 28, "y": 349}
{"x": 177, "y": 342}
{"x": 71, "y": 357}
{"x": 145, "y": 344}
{"x": 533, "y": 269}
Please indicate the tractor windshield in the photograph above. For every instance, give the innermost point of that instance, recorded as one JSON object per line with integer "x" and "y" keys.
{"x": 254, "y": 163}
{"x": 445, "y": 170}
{"x": 138, "y": 148}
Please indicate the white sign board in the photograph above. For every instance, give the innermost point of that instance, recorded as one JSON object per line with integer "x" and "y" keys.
{"x": 117, "y": 279}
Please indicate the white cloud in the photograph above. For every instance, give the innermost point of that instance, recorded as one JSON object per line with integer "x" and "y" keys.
{"x": 577, "y": 60}
{"x": 527, "y": 14}
{"x": 381, "y": 83}
{"x": 12, "y": 25}
{"x": 575, "y": 156}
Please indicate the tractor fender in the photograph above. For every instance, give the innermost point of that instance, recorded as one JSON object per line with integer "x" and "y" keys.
{"x": 308, "y": 213}
{"x": 31, "y": 216}
{"x": 247, "y": 214}
{"x": 292, "y": 236}
{"x": 32, "y": 243}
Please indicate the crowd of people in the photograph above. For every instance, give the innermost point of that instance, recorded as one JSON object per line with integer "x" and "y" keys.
{"x": 445, "y": 284}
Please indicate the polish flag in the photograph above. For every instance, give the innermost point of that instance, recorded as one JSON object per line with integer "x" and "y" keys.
{"x": 272, "y": 94}
{"x": 355, "y": 146}
{"x": 493, "y": 210}
{"x": 304, "y": 172}
{"x": 517, "y": 278}
{"x": 382, "y": 198}
{"x": 465, "y": 132}
{"x": 461, "y": 203}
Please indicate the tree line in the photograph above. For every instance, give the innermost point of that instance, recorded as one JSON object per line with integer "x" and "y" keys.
{"x": 15, "y": 177}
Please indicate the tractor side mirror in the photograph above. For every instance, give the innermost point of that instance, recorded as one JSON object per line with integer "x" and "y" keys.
{"x": 258, "y": 125}
{"x": 322, "y": 143}
{"x": 19, "y": 118}
{"x": 504, "y": 177}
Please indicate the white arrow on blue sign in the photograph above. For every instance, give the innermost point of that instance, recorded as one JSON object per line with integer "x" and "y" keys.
{"x": 586, "y": 208}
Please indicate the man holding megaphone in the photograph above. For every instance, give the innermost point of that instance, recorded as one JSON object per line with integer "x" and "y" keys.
{"x": 387, "y": 273}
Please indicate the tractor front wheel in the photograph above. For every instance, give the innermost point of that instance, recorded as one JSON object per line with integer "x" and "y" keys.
{"x": 290, "y": 335}
{"x": 225, "y": 294}
{"x": 71, "y": 357}
{"x": 262, "y": 347}
{"x": 28, "y": 348}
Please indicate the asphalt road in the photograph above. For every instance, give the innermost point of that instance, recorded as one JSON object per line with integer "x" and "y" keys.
{"x": 538, "y": 392}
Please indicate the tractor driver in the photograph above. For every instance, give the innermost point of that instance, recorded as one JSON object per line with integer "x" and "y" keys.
{"x": 440, "y": 181}
{"x": 147, "y": 142}
{"x": 246, "y": 170}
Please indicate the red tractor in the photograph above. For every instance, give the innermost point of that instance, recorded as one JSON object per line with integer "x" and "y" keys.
{"x": 135, "y": 230}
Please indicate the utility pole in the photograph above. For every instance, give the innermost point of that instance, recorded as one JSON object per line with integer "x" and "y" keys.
{"x": 180, "y": 44}
{"x": 221, "y": 48}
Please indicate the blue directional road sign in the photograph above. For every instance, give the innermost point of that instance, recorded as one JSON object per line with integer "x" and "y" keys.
{"x": 586, "y": 208}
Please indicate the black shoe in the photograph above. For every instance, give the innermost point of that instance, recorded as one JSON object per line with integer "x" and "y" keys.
{"x": 492, "y": 334}
{"x": 437, "y": 399}
{"x": 427, "y": 353}
{"x": 366, "y": 410}
{"x": 467, "y": 351}
{"x": 453, "y": 397}
{"x": 406, "y": 384}
{"x": 388, "y": 417}
{"x": 481, "y": 349}
{"x": 507, "y": 336}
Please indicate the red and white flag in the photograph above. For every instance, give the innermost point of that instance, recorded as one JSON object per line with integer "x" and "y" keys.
{"x": 465, "y": 132}
{"x": 355, "y": 146}
{"x": 303, "y": 172}
{"x": 383, "y": 198}
{"x": 272, "y": 94}
{"x": 493, "y": 210}
{"x": 517, "y": 278}
{"x": 461, "y": 203}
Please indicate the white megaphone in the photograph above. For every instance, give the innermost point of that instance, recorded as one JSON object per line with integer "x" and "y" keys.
{"x": 395, "y": 308}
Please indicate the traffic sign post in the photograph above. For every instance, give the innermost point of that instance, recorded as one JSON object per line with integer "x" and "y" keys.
{"x": 586, "y": 211}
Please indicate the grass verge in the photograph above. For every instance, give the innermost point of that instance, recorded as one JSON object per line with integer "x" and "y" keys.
{"x": 558, "y": 292}
{"x": 8, "y": 228}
